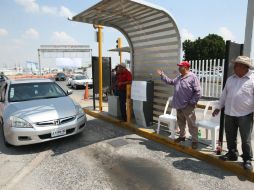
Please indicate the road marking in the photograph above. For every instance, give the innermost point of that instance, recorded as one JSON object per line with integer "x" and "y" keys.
{"x": 26, "y": 170}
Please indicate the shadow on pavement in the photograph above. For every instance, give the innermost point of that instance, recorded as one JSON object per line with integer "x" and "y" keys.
{"x": 187, "y": 162}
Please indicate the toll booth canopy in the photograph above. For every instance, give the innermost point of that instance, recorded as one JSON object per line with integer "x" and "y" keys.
{"x": 153, "y": 37}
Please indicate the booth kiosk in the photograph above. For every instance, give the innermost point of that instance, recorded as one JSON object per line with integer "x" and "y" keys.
{"x": 152, "y": 35}
{"x": 142, "y": 96}
{"x": 114, "y": 106}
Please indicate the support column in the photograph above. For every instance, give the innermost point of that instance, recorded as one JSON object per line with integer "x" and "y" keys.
{"x": 249, "y": 31}
{"x": 99, "y": 38}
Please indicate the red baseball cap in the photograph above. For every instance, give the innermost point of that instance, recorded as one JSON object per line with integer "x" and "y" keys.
{"x": 184, "y": 64}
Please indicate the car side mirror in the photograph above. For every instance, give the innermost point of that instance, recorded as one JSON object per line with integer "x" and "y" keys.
{"x": 69, "y": 92}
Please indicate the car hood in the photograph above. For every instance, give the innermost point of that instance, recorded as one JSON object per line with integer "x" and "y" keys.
{"x": 43, "y": 109}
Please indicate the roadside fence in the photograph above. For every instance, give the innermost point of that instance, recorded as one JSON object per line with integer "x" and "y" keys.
{"x": 210, "y": 74}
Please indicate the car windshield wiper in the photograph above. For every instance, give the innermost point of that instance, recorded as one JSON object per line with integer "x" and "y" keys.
{"x": 52, "y": 97}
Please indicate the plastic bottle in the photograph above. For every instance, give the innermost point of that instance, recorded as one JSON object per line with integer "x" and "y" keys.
{"x": 199, "y": 134}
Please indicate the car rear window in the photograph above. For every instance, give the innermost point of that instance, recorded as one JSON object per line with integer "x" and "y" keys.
{"x": 32, "y": 91}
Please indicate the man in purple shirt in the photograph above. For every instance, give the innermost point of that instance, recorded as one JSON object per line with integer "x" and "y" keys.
{"x": 185, "y": 98}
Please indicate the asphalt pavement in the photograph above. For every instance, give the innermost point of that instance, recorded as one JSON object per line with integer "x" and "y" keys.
{"x": 106, "y": 157}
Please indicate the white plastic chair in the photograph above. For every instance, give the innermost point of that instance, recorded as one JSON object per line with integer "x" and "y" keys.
{"x": 210, "y": 122}
{"x": 170, "y": 119}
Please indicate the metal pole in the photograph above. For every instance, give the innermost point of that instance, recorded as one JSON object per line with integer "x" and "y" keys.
{"x": 39, "y": 57}
{"x": 249, "y": 31}
{"x": 100, "y": 64}
{"x": 120, "y": 45}
{"x": 128, "y": 102}
{"x": 120, "y": 56}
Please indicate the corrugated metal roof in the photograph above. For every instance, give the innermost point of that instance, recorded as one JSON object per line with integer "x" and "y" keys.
{"x": 123, "y": 49}
{"x": 153, "y": 37}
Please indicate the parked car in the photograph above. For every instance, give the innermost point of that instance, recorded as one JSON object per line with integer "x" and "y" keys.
{"x": 80, "y": 81}
{"x": 210, "y": 76}
{"x": 60, "y": 77}
{"x": 37, "y": 110}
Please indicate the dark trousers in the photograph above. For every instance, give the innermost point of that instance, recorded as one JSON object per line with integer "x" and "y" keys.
{"x": 245, "y": 125}
{"x": 122, "y": 99}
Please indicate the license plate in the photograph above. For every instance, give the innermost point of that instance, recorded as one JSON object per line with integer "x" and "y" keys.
{"x": 58, "y": 132}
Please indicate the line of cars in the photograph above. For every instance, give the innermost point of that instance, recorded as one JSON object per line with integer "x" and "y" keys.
{"x": 76, "y": 80}
{"x": 37, "y": 110}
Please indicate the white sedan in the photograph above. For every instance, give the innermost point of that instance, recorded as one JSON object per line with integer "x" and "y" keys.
{"x": 80, "y": 81}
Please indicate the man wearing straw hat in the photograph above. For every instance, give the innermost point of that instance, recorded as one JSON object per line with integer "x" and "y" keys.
{"x": 238, "y": 99}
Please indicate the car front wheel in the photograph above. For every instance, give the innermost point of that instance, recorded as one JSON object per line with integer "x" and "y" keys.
{"x": 3, "y": 136}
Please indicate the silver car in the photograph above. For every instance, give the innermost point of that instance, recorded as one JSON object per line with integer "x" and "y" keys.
{"x": 80, "y": 81}
{"x": 37, "y": 110}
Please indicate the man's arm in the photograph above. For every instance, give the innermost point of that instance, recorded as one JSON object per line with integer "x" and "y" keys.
{"x": 165, "y": 78}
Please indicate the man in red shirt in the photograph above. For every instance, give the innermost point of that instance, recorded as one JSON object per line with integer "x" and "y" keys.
{"x": 124, "y": 77}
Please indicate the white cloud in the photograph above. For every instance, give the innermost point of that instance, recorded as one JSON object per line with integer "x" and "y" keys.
{"x": 186, "y": 35}
{"x": 49, "y": 10}
{"x": 33, "y": 6}
{"x": 65, "y": 12}
{"x": 31, "y": 33}
{"x": 226, "y": 34}
{"x": 63, "y": 39}
{"x": 29, "y": 5}
{"x": 3, "y": 32}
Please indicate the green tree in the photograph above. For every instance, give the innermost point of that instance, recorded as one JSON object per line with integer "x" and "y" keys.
{"x": 210, "y": 47}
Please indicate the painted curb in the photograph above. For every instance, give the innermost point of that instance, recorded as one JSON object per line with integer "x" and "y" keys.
{"x": 229, "y": 166}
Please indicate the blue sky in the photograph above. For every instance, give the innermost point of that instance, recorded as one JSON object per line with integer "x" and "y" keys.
{"x": 27, "y": 24}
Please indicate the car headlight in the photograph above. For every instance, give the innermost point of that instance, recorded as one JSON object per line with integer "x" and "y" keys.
{"x": 79, "y": 110}
{"x": 19, "y": 123}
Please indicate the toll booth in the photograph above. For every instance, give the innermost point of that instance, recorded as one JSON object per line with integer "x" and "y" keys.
{"x": 142, "y": 96}
{"x": 152, "y": 35}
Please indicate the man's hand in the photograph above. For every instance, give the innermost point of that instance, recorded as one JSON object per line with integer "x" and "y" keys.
{"x": 215, "y": 112}
{"x": 160, "y": 72}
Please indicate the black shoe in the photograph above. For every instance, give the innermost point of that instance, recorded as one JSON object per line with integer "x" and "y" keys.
{"x": 229, "y": 157}
{"x": 179, "y": 139}
{"x": 247, "y": 165}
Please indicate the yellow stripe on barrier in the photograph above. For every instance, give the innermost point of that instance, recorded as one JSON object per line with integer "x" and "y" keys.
{"x": 146, "y": 133}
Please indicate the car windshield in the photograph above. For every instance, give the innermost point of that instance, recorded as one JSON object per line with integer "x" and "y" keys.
{"x": 33, "y": 91}
{"x": 80, "y": 77}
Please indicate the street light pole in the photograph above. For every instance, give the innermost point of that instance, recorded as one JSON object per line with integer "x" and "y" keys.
{"x": 249, "y": 31}
{"x": 39, "y": 57}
